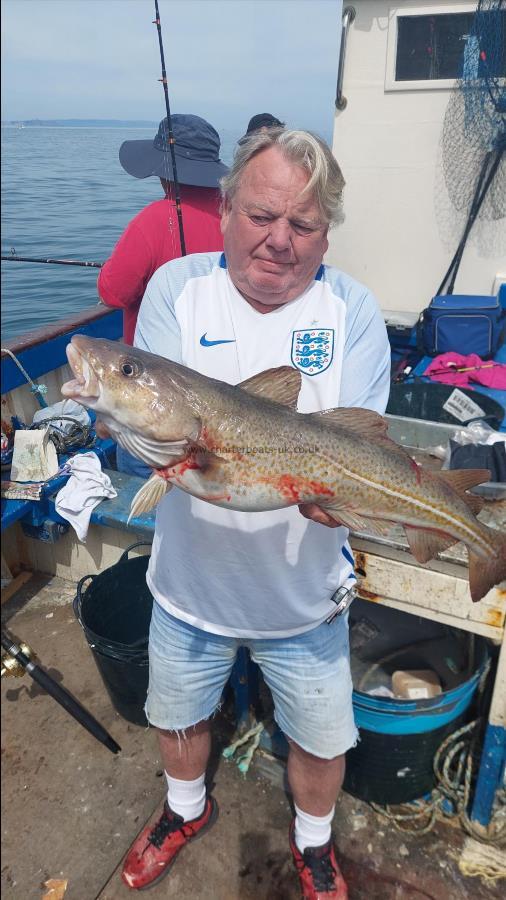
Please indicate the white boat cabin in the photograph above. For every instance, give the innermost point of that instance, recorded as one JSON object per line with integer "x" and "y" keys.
{"x": 400, "y": 68}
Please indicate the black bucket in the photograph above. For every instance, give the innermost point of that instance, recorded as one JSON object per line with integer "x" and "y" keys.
{"x": 115, "y": 612}
{"x": 393, "y": 760}
{"x": 426, "y": 401}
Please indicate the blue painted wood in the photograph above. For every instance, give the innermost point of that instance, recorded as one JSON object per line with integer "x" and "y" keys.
{"x": 491, "y": 773}
{"x": 35, "y": 511}
{"x": 244, "y": 683}
{"x": 114, "y": 513}
{"x": 14, "y": 510}
{"x": 50, "y": 355}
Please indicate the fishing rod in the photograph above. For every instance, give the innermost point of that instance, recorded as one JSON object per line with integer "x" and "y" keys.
{"x": 171, "y": 140}
{"x": 20, "y": 655}
{"x": 12, "y": 257}
{"x": 452, "y": 367}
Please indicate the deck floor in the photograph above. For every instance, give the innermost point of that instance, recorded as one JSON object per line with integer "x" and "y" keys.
{"x": 70, "y": 809}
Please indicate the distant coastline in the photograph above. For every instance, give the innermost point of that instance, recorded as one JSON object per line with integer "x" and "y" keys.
{"x": 79, "y": 123}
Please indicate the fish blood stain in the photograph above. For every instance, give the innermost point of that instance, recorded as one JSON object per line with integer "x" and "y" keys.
{"x": 298, "y": 489}
{"x": 181, "y": 468}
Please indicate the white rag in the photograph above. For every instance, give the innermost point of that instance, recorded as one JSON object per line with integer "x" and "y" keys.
{"x": 84, "y": 490}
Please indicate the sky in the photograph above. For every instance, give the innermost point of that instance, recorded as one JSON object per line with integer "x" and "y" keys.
{"x": 226, "y": 60}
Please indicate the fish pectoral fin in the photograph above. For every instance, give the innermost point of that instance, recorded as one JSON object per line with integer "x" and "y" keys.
{"x": 281, "y": 385}
{"x": 461, "y": 480}
{"x": 354, "y": 521}
{"x": 425, "y": 545}
{"x": 149, "y": 495}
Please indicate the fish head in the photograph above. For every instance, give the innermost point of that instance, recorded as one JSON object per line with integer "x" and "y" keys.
{"x": 140, "y": 397}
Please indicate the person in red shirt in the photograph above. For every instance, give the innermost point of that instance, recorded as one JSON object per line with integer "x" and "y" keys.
{"x": 152, "y": 237}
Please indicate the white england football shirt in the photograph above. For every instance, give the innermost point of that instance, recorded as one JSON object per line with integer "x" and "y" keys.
{"x": 266, "y": 574}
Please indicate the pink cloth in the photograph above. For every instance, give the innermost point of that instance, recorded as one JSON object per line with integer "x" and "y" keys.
{"x": 481, "y": 371}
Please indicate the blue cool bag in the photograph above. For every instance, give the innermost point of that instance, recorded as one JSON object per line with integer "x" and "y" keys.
{"x": 463, "y": 324}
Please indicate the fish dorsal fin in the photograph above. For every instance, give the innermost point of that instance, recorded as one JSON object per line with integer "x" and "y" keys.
{"x": 281, "y": 385}
{"x": 365, "y": 422}
{"x": 461, "y": 480}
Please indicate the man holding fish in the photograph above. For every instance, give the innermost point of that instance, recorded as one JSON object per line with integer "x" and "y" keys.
{"x": 265, "y": 580}
{"x": 297, "y": 338}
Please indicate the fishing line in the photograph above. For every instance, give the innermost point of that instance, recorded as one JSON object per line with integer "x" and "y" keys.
{"x": 169, "y": 136}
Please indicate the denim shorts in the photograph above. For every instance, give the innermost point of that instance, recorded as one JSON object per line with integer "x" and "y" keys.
{"x": 308, "y": 675}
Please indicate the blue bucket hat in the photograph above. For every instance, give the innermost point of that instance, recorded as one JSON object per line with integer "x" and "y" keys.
{"x": 196, "y": 147}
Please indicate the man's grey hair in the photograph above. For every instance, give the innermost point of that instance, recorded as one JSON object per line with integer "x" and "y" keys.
{"x": 306, "y": 150}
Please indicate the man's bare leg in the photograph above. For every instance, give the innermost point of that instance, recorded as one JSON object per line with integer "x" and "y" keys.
{"x": 185, "y": 754}
{"x": 315, "y": 783}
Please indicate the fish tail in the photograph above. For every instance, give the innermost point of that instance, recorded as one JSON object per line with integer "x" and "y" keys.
{"x": 484, "y": 574}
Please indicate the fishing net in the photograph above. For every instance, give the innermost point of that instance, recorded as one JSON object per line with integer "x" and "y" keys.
{"x": 473, "y": 140}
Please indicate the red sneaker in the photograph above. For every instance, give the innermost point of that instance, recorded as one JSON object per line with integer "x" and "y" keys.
{"x": 153, "y": 853}
{"x": 319, "y": 875}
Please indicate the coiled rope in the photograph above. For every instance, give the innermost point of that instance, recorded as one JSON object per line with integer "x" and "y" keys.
{"x": 454, "y": 765}
{"x": 78, "y": 436}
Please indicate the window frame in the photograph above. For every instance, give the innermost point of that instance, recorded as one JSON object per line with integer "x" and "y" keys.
{"x": 396, "y": 12}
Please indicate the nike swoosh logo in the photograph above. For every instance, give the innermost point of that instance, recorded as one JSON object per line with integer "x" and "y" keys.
{"x": 205, "y": 343}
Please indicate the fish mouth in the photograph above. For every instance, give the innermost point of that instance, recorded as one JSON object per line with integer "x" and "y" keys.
{"x": 85, "y": 387}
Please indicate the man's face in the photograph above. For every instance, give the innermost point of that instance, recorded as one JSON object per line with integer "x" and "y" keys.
{"x": 274, "y": 237}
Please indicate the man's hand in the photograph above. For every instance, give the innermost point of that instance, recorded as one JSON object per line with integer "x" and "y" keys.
{"x": 317, "y": 514}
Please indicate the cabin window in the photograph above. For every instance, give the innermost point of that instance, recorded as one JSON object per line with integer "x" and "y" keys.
{"x": 426, "y": 49}
{"x": 431, "y": 47}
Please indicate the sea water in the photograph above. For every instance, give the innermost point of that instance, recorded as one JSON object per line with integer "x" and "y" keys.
{"x": 65, "y": 196}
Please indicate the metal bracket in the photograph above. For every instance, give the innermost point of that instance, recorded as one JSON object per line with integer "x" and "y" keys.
{"x": 343, "y": 598}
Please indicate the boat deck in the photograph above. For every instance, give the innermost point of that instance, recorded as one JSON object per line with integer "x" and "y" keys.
{"x": 70, "y": 809}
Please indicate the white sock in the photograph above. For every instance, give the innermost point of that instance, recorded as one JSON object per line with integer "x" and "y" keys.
{"x": 312, "y": 831}
{"x": 187, "y": 798}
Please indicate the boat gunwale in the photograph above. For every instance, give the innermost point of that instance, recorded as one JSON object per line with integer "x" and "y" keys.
{"x": 55, "y": 329}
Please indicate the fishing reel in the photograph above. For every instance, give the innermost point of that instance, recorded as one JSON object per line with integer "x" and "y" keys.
{"x": 12, "y": 666}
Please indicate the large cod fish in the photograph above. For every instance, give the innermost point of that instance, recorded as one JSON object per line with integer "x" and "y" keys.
{"x": 246, "y": 447}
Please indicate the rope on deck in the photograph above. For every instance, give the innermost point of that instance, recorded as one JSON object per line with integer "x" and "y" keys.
{"x": 244, "y": 761}
{"x": 479, "y": 860}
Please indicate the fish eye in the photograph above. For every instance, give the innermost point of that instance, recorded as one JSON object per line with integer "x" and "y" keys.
{"x": 130, "y": 368}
